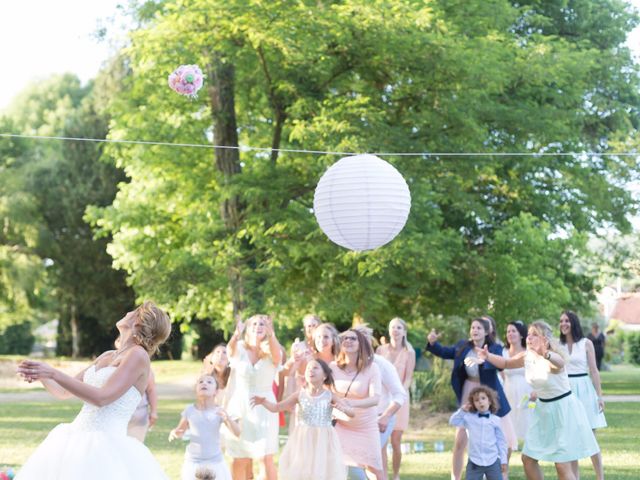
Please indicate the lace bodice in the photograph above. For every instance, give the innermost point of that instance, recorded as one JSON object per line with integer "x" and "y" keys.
{"x": 314, "y": 411}
{"x": 114, "y": 417}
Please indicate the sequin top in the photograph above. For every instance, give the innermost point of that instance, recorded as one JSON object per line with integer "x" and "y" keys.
{"x": 314, "y": 411}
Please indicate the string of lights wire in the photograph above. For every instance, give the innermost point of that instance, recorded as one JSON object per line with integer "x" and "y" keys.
{"x": 323, "y": 152}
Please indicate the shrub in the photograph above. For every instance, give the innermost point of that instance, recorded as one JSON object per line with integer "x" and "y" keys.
{"x": 434, "y": 386}
{"x": 614, "y": 347}
{"x": 633, "y": 347}
{"x": 17, "y": 339}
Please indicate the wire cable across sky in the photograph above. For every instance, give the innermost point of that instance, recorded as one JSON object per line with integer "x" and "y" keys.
{"x": 245, "y": 148}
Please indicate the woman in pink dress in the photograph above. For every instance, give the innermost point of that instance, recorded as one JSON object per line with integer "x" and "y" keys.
{"x": 402, "y": 355}
{"x": 357, "y": 379}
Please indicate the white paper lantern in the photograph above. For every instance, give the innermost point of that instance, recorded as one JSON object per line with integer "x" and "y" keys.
{"x": 361, "y": 202}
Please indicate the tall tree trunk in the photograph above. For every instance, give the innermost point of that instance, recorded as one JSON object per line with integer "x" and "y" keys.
{"x": 75, "y": 343}
{"x": 225, "y": 132}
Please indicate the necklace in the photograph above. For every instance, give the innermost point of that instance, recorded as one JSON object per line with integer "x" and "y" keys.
{"x": 315, "y": 391}
{"x": 118, "y": 352}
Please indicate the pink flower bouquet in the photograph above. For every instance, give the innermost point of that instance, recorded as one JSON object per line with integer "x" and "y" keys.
{"x": 186, "y": 80}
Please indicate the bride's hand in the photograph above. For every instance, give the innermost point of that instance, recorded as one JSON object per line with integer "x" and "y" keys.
{"x": 31, "y": 370}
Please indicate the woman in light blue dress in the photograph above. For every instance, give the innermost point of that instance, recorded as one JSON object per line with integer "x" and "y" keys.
{"x": 584, "y": 378}
{"x": 559, "y": 431}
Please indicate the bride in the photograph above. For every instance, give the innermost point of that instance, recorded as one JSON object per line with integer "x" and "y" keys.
{"x": 95, "y": 445}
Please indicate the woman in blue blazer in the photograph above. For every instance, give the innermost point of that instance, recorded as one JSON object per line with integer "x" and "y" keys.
{"x": 465, "y": 377}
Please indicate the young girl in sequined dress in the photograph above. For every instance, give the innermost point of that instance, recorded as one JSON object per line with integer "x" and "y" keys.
{"x": 313, "y": 449}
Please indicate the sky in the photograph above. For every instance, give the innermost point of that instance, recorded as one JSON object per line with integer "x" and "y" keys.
{"x": 43, "y": 37}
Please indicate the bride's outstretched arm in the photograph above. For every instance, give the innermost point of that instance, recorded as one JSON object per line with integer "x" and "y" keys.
{"x": 133, "y": 365}
{"x": 57, "y": 391}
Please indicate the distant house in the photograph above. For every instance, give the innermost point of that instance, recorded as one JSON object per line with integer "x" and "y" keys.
{"x": 627, "y": 310}
{"x": 45, "y": 345}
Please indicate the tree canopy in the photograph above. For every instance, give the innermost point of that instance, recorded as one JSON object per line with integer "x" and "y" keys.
{"x": 52, "y": 248}
{"x": 486, "y": 233}
{"x": 219, "y": 233}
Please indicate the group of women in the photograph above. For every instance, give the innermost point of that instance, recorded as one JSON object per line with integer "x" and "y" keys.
{"x": 560, "y": 375}
{"x": 549, "y": 391}
{"x": 256, "y": 359}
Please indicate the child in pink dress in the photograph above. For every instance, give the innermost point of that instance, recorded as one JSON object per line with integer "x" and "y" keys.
{"x": 313, "y": 450}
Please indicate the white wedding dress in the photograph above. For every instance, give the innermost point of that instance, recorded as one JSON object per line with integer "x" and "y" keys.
{"x": 95, "y": 445}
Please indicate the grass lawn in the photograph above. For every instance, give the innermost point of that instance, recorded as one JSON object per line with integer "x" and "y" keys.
{"x": 621, "y": 380}
{"x": 24, "y": 425}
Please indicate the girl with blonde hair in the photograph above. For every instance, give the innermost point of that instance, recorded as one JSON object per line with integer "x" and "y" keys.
{"x": 403, "y": 357}
{"x": 254, "y": 354}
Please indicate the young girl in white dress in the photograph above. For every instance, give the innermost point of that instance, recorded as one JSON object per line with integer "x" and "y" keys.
{"x": 584, "y": 378}
{"x": 313, "y": 450}
{"x": 559, "y": 431}
{"x": 96, "y": 445}
{"x": 203, "y": 419}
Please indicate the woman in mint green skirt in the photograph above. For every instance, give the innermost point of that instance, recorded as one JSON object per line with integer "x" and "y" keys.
{"x": 559, "y": 431}
{"x": 584, "y": 378}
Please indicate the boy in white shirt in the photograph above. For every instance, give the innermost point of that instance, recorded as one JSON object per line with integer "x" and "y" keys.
{"x": 487, "y": 445}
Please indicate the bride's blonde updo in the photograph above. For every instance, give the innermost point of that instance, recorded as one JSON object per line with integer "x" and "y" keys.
{"x": 153, "y": 327}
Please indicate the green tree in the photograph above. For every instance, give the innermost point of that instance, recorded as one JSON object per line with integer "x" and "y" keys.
{"x": 216, "y": 233}
{"x": 62, "y": 179}
{"x": 22, "y": 271}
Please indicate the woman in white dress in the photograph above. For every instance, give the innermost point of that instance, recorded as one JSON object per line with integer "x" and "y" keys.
{"x": 584, "y": 378}
{"x": 95, "y": 445}
{"x": 516, "y": 388}
{"x": 255, "y": 361}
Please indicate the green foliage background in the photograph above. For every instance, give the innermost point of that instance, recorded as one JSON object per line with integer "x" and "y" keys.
{"x": 501, "y": 234}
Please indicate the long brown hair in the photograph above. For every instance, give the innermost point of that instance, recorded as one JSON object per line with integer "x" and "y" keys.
{"x": 221, "y": 378}
{"x": 488, "y": 340}
{"x": 365, "y": 352}
{"x": 326, "y": 370}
